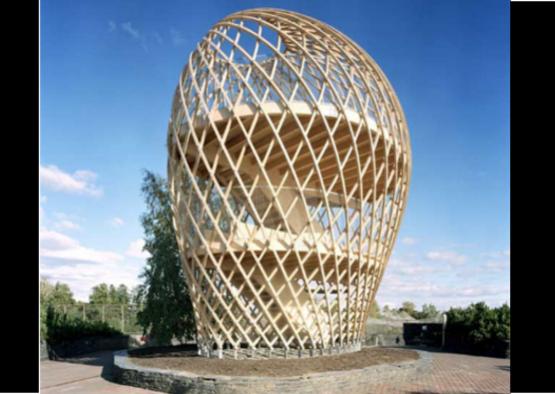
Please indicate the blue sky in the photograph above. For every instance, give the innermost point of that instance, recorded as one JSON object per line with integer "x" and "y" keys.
{"x": 107, "y": 75}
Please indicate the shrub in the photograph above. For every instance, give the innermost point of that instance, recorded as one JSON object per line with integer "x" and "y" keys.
{"x": 61, "y": 328}
{"x": 429, "y": 311}
{"x": 478, "y": 329}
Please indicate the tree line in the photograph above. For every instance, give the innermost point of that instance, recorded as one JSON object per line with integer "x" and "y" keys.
{"x": 428, "y": 311}
{"x": 103, "y": 294}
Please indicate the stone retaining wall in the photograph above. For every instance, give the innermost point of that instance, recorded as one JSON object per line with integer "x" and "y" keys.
{"x": 352, "y": 382}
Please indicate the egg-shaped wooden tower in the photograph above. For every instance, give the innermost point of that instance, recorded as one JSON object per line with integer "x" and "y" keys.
{"x": 289, "y": 166}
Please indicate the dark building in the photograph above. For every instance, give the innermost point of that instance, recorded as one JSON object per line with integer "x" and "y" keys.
{"x": 423, "y": 333}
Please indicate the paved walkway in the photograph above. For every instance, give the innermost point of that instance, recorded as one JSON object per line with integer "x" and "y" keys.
{"x": 449, "y": 373}
{"x": 85, "y": 374}
{"x": 455, "y": 373}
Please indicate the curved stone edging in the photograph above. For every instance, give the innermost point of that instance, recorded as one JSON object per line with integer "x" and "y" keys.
{"x": 353, "y": 381}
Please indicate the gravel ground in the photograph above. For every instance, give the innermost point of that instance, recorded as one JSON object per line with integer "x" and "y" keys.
{"x": 184, "y": 360}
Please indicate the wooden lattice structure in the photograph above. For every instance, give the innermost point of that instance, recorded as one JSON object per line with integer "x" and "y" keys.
{"x": 289, "y": 165}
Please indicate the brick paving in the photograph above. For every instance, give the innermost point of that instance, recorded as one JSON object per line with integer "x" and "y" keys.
{"x": 455, "y": 373}
{"x": 448, "y": 373}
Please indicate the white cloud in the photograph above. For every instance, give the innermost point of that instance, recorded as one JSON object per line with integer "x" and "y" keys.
{"x": 66, "y": 224}
{"x": 81, "y": 182}
{"x": 497, "y": 265}
{"x": 128, "y": 28}
{"x": 447, "y": 257}
{"x": 81, "y": 277}
{"x": 52, "y": 240}
{"x": 112, "y": 25}
{"x": 158, "y": 38}
{"x": 465, "y": 293}
{"x": 418, "y": 270}
{"x": 135, "y": 249}
{"x": 440, "y": 291}
{"x": 177, "y": 37}
{"x": 42, "y": 200}
{"x": 64, "y": 259}
{"x": 408, "y": 241}
{"x": 499, "y": 254}
{"x": 117, "y": 222}
{"x": 56, "y": 245}
{"x": 422, "y": 280}
{"x": 135, "y": 34}
{"x": 415, "y": 269}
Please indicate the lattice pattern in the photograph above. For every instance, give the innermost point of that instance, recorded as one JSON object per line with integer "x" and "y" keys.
{"x": 289, "y": 165}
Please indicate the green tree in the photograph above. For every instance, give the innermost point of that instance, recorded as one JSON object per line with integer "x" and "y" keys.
{"x": 61, "y": 295}
{"x": 61, "y": 327}
{"x": 429, "y": 311}
{"x": 167, "y": 310}
{"x": 112, "y": 294}
{"x": 408, "y": 307}
{"x": 109, "y": 294}
{"x": 136, "y": 296}
{"x": 52, "y": 296}
{"x": 46, "y": 289}
{"x": 100, "y": 294}
{"x": 58, "y": 294}
{"x": 478, "y": 328}
{"x": 122, "y": 295}
{"x": 502, "y": 325}
{"x": 374, "y": 310}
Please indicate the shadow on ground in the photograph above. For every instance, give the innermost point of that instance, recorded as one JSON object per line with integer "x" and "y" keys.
{"x": 424, "y": 348}
{"x": 165, "y": 351}
{"x": 440, "y": 350}
{"x": 97, "y": 359}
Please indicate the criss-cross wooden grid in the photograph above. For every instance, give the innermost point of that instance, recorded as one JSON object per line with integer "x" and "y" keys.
{"x": 289, "y": 165}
